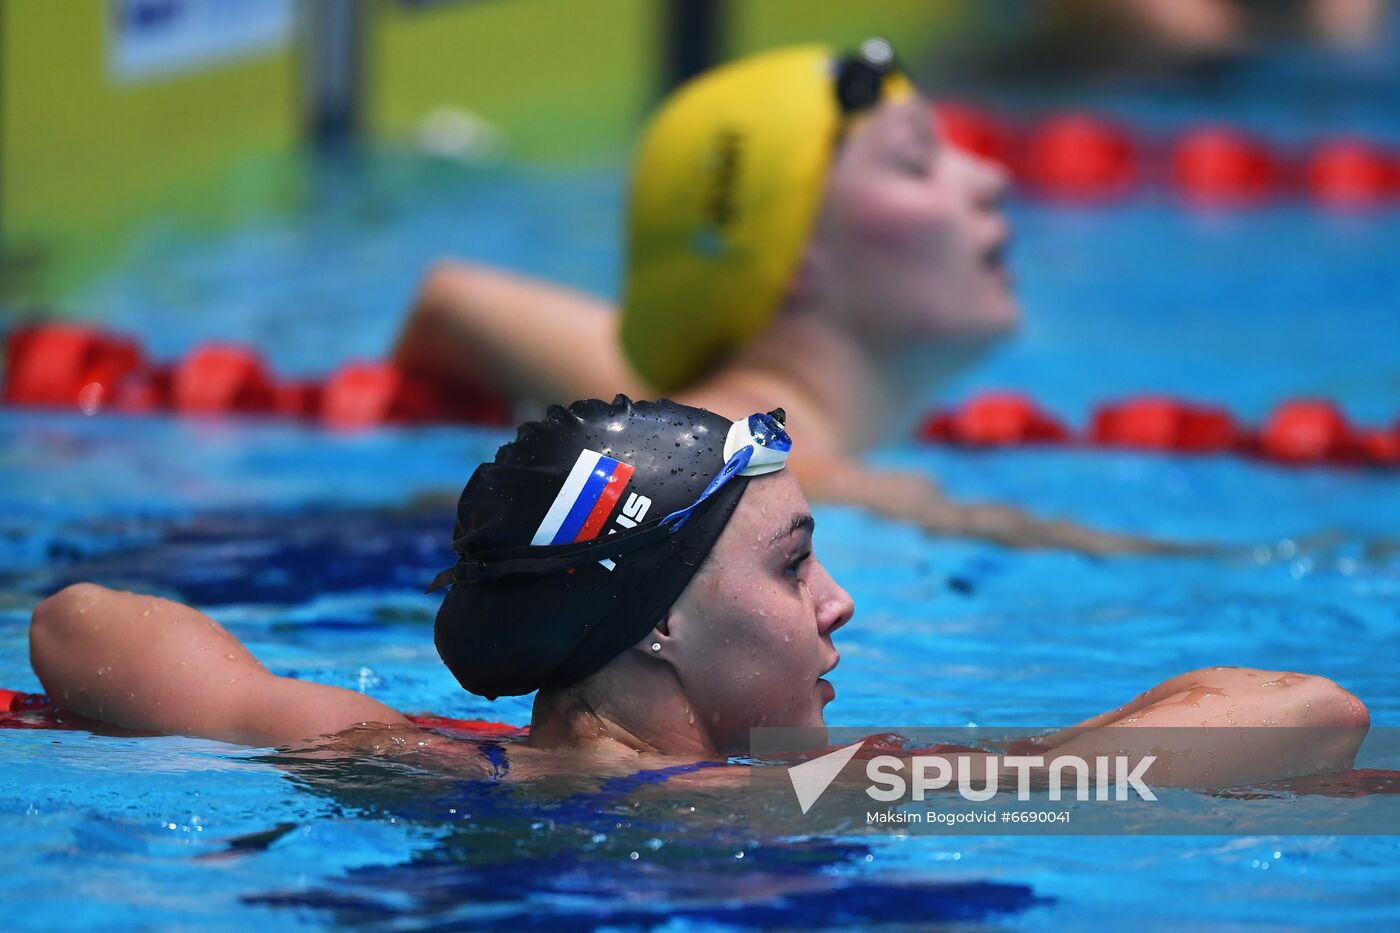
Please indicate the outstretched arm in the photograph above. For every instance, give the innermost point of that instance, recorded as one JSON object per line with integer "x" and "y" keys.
{"x": 828, "y": 473}
{"x": 1214, "y": 728}
{"x": 1226, "y": 726}
{"x": 146, "y": 663}
{"x": 472, "y": 326}
{"x": 915, "y": 498}
{"x": 522, "y": 338}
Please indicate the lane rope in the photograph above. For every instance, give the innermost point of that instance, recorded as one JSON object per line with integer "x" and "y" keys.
{"x": 1086, "y": 158}
{"x": 79, "y": 368}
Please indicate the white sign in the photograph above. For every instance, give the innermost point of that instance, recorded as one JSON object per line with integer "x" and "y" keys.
{"x": 149, "y": 39}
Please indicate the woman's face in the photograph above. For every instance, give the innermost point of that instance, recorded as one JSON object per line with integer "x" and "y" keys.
{"x": 750, "y": 638}
{"x": 910, "y": 244}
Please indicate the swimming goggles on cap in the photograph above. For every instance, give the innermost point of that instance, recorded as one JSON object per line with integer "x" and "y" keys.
{"x": 754, "y": 446}
{"x": 860, "y": 77}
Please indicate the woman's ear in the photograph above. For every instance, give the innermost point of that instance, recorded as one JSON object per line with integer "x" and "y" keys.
{"x": 660, "y": 637}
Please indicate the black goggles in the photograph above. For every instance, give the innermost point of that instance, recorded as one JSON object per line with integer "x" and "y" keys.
{"x": 860, "y": 77}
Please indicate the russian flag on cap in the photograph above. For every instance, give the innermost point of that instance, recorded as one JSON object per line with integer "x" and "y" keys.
{"x": 585, "y": 501}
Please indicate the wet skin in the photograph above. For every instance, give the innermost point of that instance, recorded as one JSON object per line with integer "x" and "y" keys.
{"x": 748, "y": 643}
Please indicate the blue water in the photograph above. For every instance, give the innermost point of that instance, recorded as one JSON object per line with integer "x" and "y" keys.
{"x": 312, "y": 547}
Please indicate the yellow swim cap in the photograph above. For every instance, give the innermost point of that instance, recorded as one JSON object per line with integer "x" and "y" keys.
{"x": 725, "y": 190}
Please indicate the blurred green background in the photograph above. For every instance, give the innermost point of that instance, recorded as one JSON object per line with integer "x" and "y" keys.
{"x": 113, "y": 113}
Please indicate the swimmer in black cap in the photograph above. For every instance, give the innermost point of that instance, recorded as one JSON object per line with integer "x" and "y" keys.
{"x": 631, "y": 507}
{"x": 648, "y": 569}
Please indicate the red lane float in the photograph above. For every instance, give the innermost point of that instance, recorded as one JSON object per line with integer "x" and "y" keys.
{"x": 1218, "y": 166}
{"x": 995, "y": 418}
{"x": 297, "y": 399}
{"x": 973, "y": 131}
{"x": 361, "y": 394}
{"x": 66, "y": 365}
{"x": 76, "y": 367}
{"x": 1157, "y": 423}
{"x": 145, "y": 391}
{"x": 1082, "y": 157}
{"x": 1298, "y": 433}
{"x": 220, "y": 378}
{"x": 1351, "y": 174}
{"x": 1307, "y": 431}
{"x": 1381, "y": 448}
{"x": 69, "y": 366}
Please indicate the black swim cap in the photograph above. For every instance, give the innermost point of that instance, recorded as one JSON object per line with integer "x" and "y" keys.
{"x": 589, "y": 473}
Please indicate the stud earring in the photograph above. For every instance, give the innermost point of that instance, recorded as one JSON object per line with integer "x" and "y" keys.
{"x": 656, "y": 646}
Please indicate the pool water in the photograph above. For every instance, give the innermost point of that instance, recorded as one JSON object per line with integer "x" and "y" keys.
{"x": 313, "y": 547}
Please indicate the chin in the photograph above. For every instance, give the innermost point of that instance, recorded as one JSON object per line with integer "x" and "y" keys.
{"x": 995, "y": 313}
{"x": 814, "y": 717}
{"x": 986, "y": 316}
{"x": 1010, "y": 316}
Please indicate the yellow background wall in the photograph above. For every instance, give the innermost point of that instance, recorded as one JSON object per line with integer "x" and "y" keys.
{"x": 560, "y": 78}
{"x": 83, "y": 159}
{"x": 81, "y": 156}
{"x": 914, "y": 26}
{"x": 575, "y": 78}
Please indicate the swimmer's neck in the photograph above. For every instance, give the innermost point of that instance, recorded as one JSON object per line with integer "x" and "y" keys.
{"x": 865, "y": 396}
{"x": 569, "y": 720}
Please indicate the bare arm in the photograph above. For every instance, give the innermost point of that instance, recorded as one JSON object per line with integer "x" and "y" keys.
{"x": 914, "y": 498}
{"x": 828, "y": 474}
{"x": 516, "y": 336}
{"x": 147, "y": 663}
{"x": 1212, "y": 728}
{"x": 1224, "y": 726}
{"x": 473, "y": 326}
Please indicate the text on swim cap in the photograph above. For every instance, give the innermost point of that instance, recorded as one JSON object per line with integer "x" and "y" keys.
{"x": 720, "y": 208}
{"x": 633, "y": 511}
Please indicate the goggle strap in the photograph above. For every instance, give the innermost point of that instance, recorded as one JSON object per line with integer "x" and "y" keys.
{"x": 537, "y": 559}
{"x": 732, "y": 468}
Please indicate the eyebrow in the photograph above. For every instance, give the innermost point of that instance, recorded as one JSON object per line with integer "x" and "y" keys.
{"x": 803, "y": 522}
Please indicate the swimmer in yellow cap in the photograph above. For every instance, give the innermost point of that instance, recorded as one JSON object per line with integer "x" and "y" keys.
{"x": 798, "y": 231}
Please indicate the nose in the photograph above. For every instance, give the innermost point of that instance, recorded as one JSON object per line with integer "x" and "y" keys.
{"x": 991, "y": 182}
{"x": 834, "y": 605}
